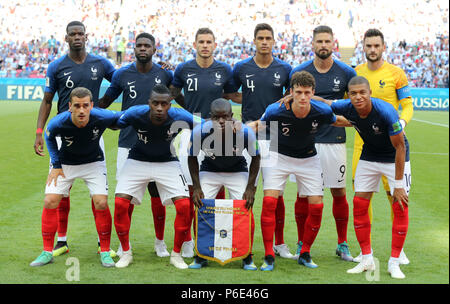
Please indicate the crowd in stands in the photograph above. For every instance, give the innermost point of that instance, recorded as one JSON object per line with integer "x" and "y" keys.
{"x": 416, "y": 31}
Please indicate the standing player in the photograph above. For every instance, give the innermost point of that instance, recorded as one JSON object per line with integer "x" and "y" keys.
{"x": 79, "y": 156}
{"x": 153, "y": 158}
{"x": 331, "y": 78}
{"x": 136, "y": 81}
{"x": 263, "y": 79}
{"x": 224, "y": 165}
{"x": 385, "y": 153}
{"x": 389, "y": 83}
{"x": 202, "y": 80}
{"x": 76, "y": 69}
{"x": 295, "y": 154}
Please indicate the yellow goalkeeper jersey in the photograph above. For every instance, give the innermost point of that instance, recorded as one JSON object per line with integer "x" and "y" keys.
{"x": 389, "y": 83}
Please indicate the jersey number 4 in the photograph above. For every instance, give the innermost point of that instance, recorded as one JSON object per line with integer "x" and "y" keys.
{"x": 250, "y": 85}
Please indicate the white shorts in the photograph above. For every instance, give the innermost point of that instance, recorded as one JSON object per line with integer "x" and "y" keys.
{"x": 103, "y": 162}
{"x": 183, "y": 153}
{"x": 93, "y": 175}
{"x": 135, "y": 176}
{"x": 368, "y": 176}
{"x": 307, "y": 172}
{"x": 122, "y": 155}
{"x": 235, "y": 182}
{"x": 333, "y": 159}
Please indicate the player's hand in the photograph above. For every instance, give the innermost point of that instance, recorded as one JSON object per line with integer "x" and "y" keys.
{"x": 318, "y": 98}
{"x": 249, "y": 196}
{"x": 39, "y": 145}
{"x": 53, "y": 176}
{"x": 197, "y": 196}
{"x": 401, "y": 197}
{"x": 286, "y": 100}
{"x": 237, "y": 126}
{"x": 165, "y": 65}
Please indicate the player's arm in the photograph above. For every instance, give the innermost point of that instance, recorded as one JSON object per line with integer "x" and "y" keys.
{"x": 177, "y": 96}
{"x": 44, "y": 112}
{"x": 400, "y": 194}
{"x": 105, "y": 101}
{"x": 235, "y": 97}
{"x": 407, "y": 111}
{"x": 250, "y": 190}
{"x": 404, "y": 96}
{"x": 197, "y": 192}
{"x": 52, "y": 147}
{"x": 341, "y": 121}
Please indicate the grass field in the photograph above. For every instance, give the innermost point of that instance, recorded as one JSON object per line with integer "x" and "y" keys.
{"x": 23, "y": 175}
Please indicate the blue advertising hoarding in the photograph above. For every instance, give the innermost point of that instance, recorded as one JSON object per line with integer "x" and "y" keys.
{"x": 25, "y": 89}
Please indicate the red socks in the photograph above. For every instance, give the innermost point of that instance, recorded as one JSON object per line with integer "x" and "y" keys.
{"x": 399, "y": 228}
{"x": 49, "y": 227}
{"x": 182, "y": 220}
{"x": 312, "y": 226}
{"x": 268, "y": 223}
{"x": 159, "y": 217}
{"x": 103, "y": 222}
{"x": 340, "y": 213}
{"x": 122, "y": 222}
{"x": 63, "y": 216}
{"x": 279, "y": 221}
{"x": 361, "y": 222}
{"x": 301, "y": 213}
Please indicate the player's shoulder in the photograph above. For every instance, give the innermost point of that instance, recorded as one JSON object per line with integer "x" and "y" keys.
{"x": 138, "y": 109}
{"x": 321, "y": 107}
{"x": 222, "y": 64}
{"x": 302, "y": 66}
{"x": 345, "y": 67}
{"x": 396, "y": 71}
{"x": 283, "y": 63}
{"x": 178, "y": 113}
{"x": 360, "y": 68}
{"x": 59, "y": 119}
{"x": 275, "y": 108}
{"x": 185, "y": 64}
{"x": 56, "y": 63}
{"x": 244, "y": 62}
{"x": 382, "y": 106}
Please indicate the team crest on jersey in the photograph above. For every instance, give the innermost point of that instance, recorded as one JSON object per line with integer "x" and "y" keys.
{"x": 276, "y": 77}
{"x": 314, "y": 126}
{"x": 157, "y": 80}
{"x": 336, "y": 84}
{"x": 382, "y": 84}
{"x": 218, "y": 81}
{"x": 170, "y": 135}
{"x": 95, "y": 133}
{"x": 94, "y": 75}
{"x": 376, "y": 129}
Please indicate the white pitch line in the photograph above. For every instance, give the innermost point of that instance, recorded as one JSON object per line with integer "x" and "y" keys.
{"x": 431, "y": 123}
{"x": 429, "y": 153}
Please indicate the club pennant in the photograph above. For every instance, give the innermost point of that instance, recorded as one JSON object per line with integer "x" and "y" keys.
{"x": 223, "y": 230}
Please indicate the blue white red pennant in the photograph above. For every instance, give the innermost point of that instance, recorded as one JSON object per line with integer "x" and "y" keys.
{"x": 223, "y": 230}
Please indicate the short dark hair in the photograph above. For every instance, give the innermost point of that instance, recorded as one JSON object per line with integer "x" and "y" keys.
{"x": 322, "y": 29}
{"x": 146, "y": 35}
{"x": 373, "y": 33}
{"x": 358, "y": 80}
{"x": 220, "y": 104}
{"x": 203, "y": 31}
{"x": 262, "y": 27}
{"x": 80, "y": 92}
{"x": 160, "y": 89}
{"x": 303, "y": 79}
{"x": 75, "y": 23}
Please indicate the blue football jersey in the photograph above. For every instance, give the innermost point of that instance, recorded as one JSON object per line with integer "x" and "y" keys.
{"x": 331, "y": 85}
{"x": 376, "y": 129}
{"x": 155, "y": 142}
{"x": 260, "y": 86}
{"x": 223, "y": 155}
{"x": 201, "y": 86}
{"x": 136, "y": 88}
{"x": 294, "y": 136}
{"x": 64, "y": 74}
{"x": 79, "y": 145}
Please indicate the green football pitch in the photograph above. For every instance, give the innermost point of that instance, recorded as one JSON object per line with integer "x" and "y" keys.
{"x": 23, "y": 175}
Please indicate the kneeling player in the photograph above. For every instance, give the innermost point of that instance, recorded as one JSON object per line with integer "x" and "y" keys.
{"x": 80, "y": 156}
{"x": 224, "y": 165}
{"x": 153, "y": 158}
{"x": 295, "y": 153}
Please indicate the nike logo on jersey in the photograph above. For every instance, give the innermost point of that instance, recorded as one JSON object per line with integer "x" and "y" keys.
{"x": 190, "y": 75}
{"x": 68, "y": 73}
{"x": 247, "y": 76}
{"x": 131, "y": 82}
{"x": 142, "y": 131}
{"x": 286, "y": 124}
